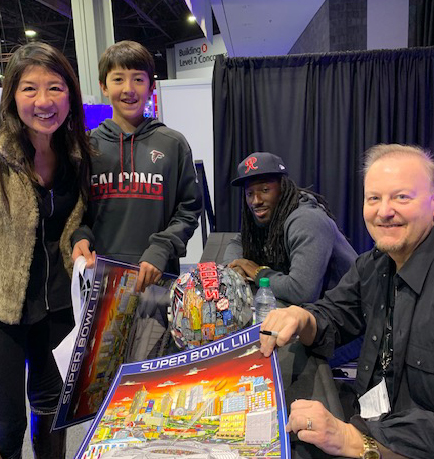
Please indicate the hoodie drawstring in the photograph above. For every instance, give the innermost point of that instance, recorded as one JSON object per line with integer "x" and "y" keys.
{"x": 121, "y": 152}
{"x": 121, "y": 148}
{"x": 132, "y": 158}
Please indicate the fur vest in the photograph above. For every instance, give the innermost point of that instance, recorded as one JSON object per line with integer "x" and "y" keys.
{"x": 18, "y": 230}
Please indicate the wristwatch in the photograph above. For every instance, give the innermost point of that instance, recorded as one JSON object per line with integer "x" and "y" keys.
{"x": 258, "y": 269}
{"x": 370, "y": 449}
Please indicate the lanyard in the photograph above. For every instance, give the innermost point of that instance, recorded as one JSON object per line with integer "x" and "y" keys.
{"x": 386, "y": 355}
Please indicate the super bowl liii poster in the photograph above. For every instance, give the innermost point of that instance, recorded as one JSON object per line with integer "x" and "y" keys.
{"x": 224, "y": 399}
{"x": 101, "y": 341}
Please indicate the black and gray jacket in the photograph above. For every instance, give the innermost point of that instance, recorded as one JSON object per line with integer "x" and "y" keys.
{"x": 19, "y": 219}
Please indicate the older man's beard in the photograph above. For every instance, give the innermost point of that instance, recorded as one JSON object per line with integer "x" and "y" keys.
{"x": 390, "y": 248}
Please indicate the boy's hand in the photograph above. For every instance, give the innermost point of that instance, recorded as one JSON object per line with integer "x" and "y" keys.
{"x": 82, "y": 248}
{"x": 148, "y": 275}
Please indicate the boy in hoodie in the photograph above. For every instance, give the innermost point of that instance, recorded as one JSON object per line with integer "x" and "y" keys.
{"x": 145, "y": 199}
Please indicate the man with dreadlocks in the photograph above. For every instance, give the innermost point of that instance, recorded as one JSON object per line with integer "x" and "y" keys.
{"x": 288, "y": 234}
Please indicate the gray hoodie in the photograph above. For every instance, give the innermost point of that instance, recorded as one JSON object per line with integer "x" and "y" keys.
{"x": 145, "y": 199}
{"x": 318, "y": 253}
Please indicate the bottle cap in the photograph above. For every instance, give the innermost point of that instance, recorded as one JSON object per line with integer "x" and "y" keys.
{"x": 264, "y": 282}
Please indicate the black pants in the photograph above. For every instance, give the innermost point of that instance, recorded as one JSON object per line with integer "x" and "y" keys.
{"x": 305, "y": 376}
{"x": 31, "y": 344}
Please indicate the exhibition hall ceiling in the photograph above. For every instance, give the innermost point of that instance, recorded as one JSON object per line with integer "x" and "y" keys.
{"x": 248, "y": 27}
{"x": 262, "y": 27}
{"x": 157, "y": 24}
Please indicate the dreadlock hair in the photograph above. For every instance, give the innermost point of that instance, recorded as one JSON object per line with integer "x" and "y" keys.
{"x": 266, "y": 245}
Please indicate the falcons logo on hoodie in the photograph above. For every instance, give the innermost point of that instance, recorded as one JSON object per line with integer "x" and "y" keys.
{"x": 156, "y": 155}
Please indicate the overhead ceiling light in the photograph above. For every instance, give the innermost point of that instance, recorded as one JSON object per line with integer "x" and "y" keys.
{"x": 191, "y": 18}
{"x": 155, "y": 76}
{"x": 30, "y": 33}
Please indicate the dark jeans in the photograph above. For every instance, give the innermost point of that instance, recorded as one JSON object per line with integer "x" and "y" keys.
{"x": 20, "y": 344}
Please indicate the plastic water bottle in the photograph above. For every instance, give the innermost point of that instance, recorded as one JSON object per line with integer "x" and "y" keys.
{"x": 265, "y": 301}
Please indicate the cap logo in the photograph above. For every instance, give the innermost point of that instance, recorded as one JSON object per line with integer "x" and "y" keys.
{"x": 250, "y": 164}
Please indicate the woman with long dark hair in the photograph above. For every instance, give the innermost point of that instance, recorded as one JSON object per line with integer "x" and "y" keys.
{"x": 44, "y": 174}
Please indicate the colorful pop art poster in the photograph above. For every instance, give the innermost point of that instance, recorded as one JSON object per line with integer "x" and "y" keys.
{"x": 221, "y": 400}
{"x": 102, "y": 341}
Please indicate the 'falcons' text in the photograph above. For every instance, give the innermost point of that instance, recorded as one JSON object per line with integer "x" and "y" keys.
{"x": 129, "y": 184}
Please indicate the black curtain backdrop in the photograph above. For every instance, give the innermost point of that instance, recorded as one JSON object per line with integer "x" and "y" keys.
{"x": 319, "y": 113}
{"x": 424, "y": 22}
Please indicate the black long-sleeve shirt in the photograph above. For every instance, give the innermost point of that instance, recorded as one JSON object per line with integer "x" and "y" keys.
{"x": 358, "y": 306}
{"x": 49, "y": 282}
